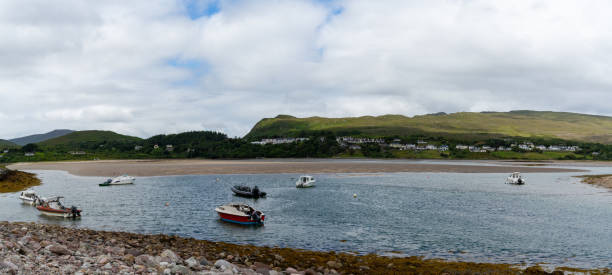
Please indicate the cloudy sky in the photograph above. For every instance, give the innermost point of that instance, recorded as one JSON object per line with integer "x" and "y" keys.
{"x": 148, "y": 67}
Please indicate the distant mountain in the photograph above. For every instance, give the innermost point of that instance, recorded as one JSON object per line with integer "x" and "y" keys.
{"x": 93, "y": 136}
{"x": 41, "y": 137}
{"x": 467, "y": 125}
{"x": 6, "y": 143}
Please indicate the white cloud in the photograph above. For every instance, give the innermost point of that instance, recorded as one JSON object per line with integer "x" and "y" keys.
{"x": 145, "y": 67}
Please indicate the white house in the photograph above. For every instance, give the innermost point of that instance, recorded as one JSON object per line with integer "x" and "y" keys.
{"x": 461, "y": 147}
{"x": 169, "y": 148}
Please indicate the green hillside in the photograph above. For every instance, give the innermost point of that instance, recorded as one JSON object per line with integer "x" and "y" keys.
{"x": 568, "y": 126}
{"x": 92, "y": 136}
{"x": 7, "y": 144}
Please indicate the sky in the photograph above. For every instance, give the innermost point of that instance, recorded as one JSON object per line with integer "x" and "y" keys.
{"x": 146, "y": 67}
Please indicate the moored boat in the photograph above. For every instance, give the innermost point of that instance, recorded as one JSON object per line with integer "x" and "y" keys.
{"x": 53, "y": 207}
{"x": 29, "y": 197}
{"x": 120, "y": 180}
{"x": 515, "y": 178}
{"x": 248, "y": 192}
{"x": 305, "y": 182}
{"x": 240, "y": 213}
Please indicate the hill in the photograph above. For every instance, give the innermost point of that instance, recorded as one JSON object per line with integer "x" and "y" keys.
{"x": 41, "y": 137}
{"x": 6, "y": 143}
{"x": 466, "y": 125}
{"x": 91, "y": 136}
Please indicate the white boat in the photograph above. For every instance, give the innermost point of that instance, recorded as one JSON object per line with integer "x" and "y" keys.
{"x": 120, "y": 180}
{"x": 305, "y": 181}
{"x": 53, "y": 207}
{"x": 515, "y": 178}
{"x": 29, "y": 197}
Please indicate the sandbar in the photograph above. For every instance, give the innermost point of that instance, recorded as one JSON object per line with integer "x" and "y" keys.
{"x": 143, "y": 168}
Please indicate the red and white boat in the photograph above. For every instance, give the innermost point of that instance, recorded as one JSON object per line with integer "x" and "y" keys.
{"x": 53, "y": 207}
{"x": 240, "y": 213}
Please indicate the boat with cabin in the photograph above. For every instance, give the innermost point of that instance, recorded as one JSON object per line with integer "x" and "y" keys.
{"x": 240, "y": 213}
{"x": 248, "y": 192}
{"x": 54, "y": 207}
{"x": 29, "y": 197}
{"x": 305, "y": 182}
{"x": 515, "y": 178}
{"x": 120, "y": 180}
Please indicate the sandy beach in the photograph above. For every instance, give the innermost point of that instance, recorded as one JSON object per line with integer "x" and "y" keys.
{"x": 273, "y": 166}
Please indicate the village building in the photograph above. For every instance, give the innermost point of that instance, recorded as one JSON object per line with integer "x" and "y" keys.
{"x": 169, "y": 148}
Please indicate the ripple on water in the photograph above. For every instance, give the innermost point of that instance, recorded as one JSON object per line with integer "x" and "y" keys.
{"x": 471, "y": 217}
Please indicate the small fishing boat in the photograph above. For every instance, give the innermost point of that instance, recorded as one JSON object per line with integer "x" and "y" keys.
{"x": 305, "y": 182}
{"x": 29, "y": 197}
{"x": 240, "y": 213}
{"x": 248, "y": 192}
{"x": 120, "y": 180}
{"x": 54, "y": 207}
{"x": 515, "y": 178}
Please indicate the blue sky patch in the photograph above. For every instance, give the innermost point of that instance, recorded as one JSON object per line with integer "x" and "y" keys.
{"x": 198, "y": 68}
{"x": 200, "y": 8}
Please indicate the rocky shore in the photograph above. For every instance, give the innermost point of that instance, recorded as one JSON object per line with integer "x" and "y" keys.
{"x": 30, "y": 248}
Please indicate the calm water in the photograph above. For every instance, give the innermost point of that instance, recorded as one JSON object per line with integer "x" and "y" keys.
{"x": 475, "y": 217}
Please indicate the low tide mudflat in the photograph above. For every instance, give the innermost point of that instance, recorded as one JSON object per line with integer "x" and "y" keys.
{"x": 276, "y": 166}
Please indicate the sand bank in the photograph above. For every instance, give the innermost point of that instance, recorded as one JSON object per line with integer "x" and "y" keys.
{"x": 274, "y": 166}
{"x": 599, "y": 180}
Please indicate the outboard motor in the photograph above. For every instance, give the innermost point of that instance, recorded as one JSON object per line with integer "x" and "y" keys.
{"x": 255, "y": 216}
{"x": 74, "y": 212}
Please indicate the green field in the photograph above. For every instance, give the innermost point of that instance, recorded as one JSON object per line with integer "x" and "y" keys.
{"x": 466, "y": 125}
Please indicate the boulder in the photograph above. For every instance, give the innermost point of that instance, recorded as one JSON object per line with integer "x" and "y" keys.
{"x": 169, "y": 256}
{"x": 192, "y": 263}
{"x": 146, "y": 260}
{"x": 103, "y": 259}
{"x": 224, "y": 265}
{"x": 180, "y": 269}
{"x": 59, "y": 249}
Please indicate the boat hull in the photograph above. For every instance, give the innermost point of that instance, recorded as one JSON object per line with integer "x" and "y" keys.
{"x": 57, "y": 212}
{"x": 247, "y": 194}
{"x": 240, "y": 219}
{"x": 27, "y": 201}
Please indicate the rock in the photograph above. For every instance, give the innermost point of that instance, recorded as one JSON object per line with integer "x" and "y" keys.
{"x": 9, "y": 265}
{"x": 224, "y": 265}
{"x": 331, "y": 263}
{"x": 291, "y": 270}
{"x": 180, "y": 269}
{"x": 309, "y": 272}
{"x": 59, "y": 249}
{"x": 274, "y": 272}
{"x": 108, "y": 266}
{"x": 128, "y": 259}
{"x": 192, "y": 262}
{"x": 146, "y": 260}
{"x": 167, "y": 271}
{"x": 134, "y": 252}
{"x": 203, "y": 261}
{"x": 171, "y": 256}
{"x": 103, "y": 259}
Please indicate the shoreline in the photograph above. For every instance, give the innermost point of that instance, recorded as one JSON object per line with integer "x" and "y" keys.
{"x": 143, "y": 168}
{"x": 41, "y": 248}
{"x": 604, "y": 181}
